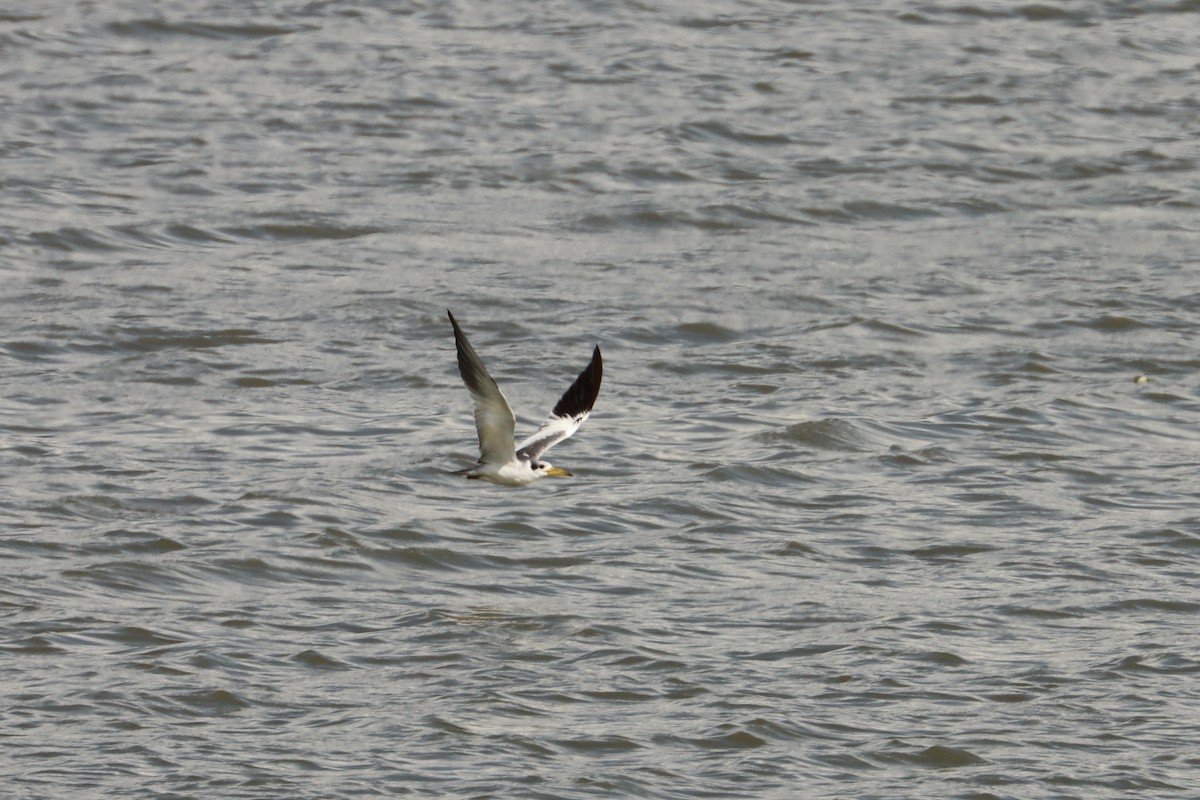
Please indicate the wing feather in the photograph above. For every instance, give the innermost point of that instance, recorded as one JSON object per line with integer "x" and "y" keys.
{"x": 494, "y": 420}
{"x": 569, "y": 412}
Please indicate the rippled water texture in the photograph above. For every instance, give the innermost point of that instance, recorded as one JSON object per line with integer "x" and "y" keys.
{"x": 872, "y": 504}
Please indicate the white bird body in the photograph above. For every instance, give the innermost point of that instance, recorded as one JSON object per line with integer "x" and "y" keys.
{"x": 501, "y": 459}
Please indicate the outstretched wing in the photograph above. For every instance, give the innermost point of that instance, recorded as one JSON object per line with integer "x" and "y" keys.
{"x": 570, "y": 412}
{"x": 494, "y": 421}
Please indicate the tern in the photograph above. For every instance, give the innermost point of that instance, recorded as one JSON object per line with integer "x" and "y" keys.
{"x": 501, "y": 459}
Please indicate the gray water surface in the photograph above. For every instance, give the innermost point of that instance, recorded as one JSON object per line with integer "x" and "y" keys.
{"x": 871, "y": 504}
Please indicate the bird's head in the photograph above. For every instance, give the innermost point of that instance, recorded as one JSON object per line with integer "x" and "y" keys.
{"x": 546, "y": 468}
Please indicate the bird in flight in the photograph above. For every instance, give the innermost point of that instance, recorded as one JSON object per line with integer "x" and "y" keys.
{"x": 501, "y": 459}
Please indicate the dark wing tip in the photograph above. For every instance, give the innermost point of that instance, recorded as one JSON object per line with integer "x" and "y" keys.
{"x": 470, "y": 366}
{"x": 582, "y": 395}
{"x": 460, "y": 338}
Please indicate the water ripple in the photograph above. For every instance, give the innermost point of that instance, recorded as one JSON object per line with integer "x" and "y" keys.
{"x": 891, "y": 482}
